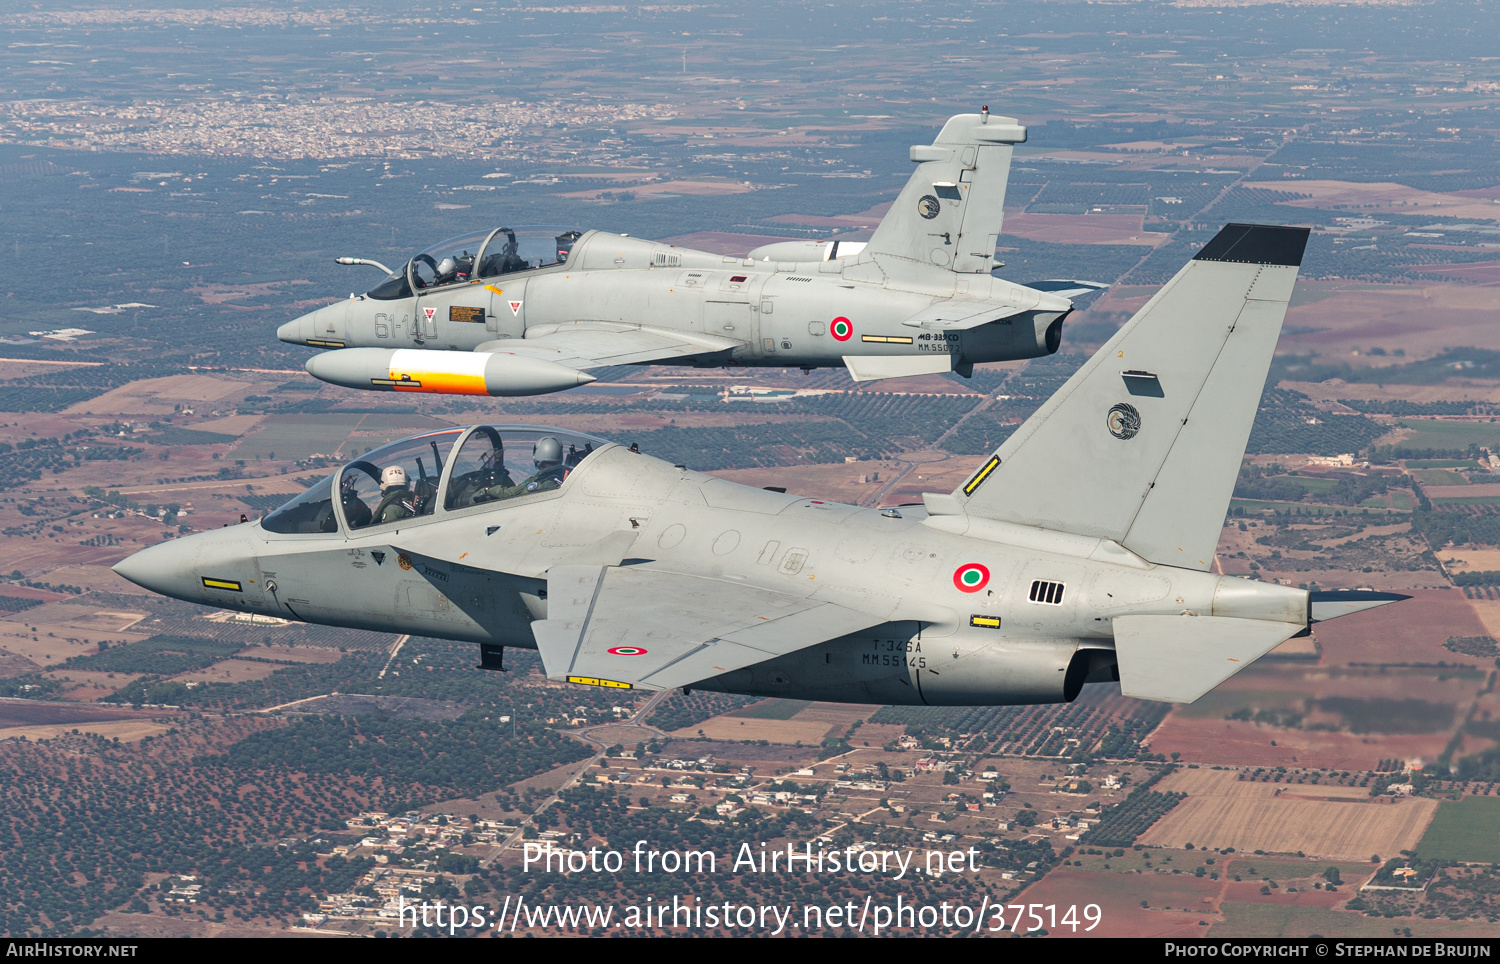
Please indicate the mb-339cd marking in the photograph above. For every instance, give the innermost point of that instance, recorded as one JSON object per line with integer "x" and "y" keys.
{"x": 929, "y": 207}
{"x": 1123, "y": 421}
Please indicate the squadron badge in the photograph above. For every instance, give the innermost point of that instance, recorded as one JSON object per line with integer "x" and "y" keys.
{"x": 1123, "y": 421}
{"x": 929, "y": 207}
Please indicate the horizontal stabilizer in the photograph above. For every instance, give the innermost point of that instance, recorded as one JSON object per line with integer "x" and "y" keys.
{"x": 607, "y": 626}
{"x": 1065, "y": 288}
{"x": 1332, "y": 603}
{"x": 960, "y": 315}
{"x": 1176, "y": 659}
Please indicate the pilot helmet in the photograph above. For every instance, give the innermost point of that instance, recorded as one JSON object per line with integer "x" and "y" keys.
{"x": 393, "y": 477}
{"x": 547, "y": 452}
{"x": 447, "y": 266}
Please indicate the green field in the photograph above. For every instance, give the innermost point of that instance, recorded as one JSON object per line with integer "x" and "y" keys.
{"x": 1439, "y": 477}
{"x": 1441, "y": 464}
{"x": 1466, "y": 500}
{"x": 1467, "y": 830}
{"x": 1436, "y": 434}
{"x": 771, "y": 710}
{"x": 1312, "y": 484}
{"x": 1245, "y": 919}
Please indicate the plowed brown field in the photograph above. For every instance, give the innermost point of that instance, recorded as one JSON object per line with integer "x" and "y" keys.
{"x": 1333, "y": 822}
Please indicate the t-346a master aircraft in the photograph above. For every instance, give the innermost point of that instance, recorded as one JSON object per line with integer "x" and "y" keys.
{"x": 530, "y": 313}
{"x": 1079, "y": 551}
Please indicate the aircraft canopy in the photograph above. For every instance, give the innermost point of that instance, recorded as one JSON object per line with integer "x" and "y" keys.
{"x": 448, "y": 470}
{"x": 479, "y": 255}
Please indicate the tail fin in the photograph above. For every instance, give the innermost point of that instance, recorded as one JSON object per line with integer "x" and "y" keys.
{"x": 1142, "y": 445}
{"x": 949, "y": 214}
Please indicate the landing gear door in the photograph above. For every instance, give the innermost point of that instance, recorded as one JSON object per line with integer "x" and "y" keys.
{"x": 507, "y": 311}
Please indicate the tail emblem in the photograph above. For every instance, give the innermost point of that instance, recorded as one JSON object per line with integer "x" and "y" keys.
{"x": 1123, "y": 421}
{"x": 929, "y": 207}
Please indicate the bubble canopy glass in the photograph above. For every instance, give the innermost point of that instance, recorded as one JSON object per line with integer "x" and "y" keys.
{"x": 477, "y": 256}
{"x": 446, "y": 470}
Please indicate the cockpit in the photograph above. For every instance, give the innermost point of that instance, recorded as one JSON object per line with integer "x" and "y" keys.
{"x": 449, "y": 470}
{"x": 478, "y": 256}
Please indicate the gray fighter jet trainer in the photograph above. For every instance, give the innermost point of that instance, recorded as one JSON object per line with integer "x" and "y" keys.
{"x": 533, "y": 312}
{"x": 1080, "y": 551}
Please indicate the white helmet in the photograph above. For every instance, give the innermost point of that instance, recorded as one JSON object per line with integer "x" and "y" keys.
{"x": 394, "y": 477}
{"x": 447, "y": 266}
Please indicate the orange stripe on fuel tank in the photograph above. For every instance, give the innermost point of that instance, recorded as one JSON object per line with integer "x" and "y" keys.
{"x": 439, "y": 373}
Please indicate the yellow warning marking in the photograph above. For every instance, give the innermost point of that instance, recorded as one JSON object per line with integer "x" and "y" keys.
{"x": 981, "y": 475}
{"x": 595, "y": 681}
{"x": 229, "y": 584}
{"x": 498, "y": 291}
{"x": 985, "y": 622}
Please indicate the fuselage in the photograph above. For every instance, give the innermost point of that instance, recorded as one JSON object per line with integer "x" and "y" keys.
{"x": 973, "y": 612}
{"x": 775, "y": 313}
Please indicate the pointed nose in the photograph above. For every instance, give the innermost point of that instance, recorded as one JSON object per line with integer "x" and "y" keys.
{"x": 295, "y": 331}
{"x": 167, "y": 568}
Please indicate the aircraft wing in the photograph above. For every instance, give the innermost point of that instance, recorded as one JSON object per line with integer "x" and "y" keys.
{"x": 585, "y": 345}
{"x": 647, "y": 629}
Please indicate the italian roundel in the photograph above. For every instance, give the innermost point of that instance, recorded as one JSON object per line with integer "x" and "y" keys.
{"x": 842, "y": 329}
{"x": 971, "y": 577}
{"x": 627, "y": 651}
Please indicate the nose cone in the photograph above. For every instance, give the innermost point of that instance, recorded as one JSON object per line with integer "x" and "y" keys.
{"x": 167, "y": 568}
{"x": 352, "y": 367}
{"x": 295, "y": 331}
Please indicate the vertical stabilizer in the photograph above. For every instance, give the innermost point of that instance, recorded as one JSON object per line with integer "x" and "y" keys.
{"x": 1144, "y": 442}
{"x": 949, "y": 214}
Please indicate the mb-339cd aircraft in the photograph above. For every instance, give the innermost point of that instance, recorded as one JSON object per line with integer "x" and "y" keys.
{"x": 525, "y": 313}
{"x": 1079, "y": 551}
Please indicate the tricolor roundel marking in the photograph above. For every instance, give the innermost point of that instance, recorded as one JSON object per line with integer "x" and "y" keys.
{"x": 842, "y": 329}
{"x": 627, "y": 651}
{"x": 971, "y": 577}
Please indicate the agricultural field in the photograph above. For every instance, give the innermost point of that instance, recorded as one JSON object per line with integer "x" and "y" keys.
{"x": 1222, "y": 810}
{"x": 1463, "y": 830}
{"x": 1263, "y": 919}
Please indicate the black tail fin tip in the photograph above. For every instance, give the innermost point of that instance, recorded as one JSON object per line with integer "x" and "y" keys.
{"x": 1256, "y": 244}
